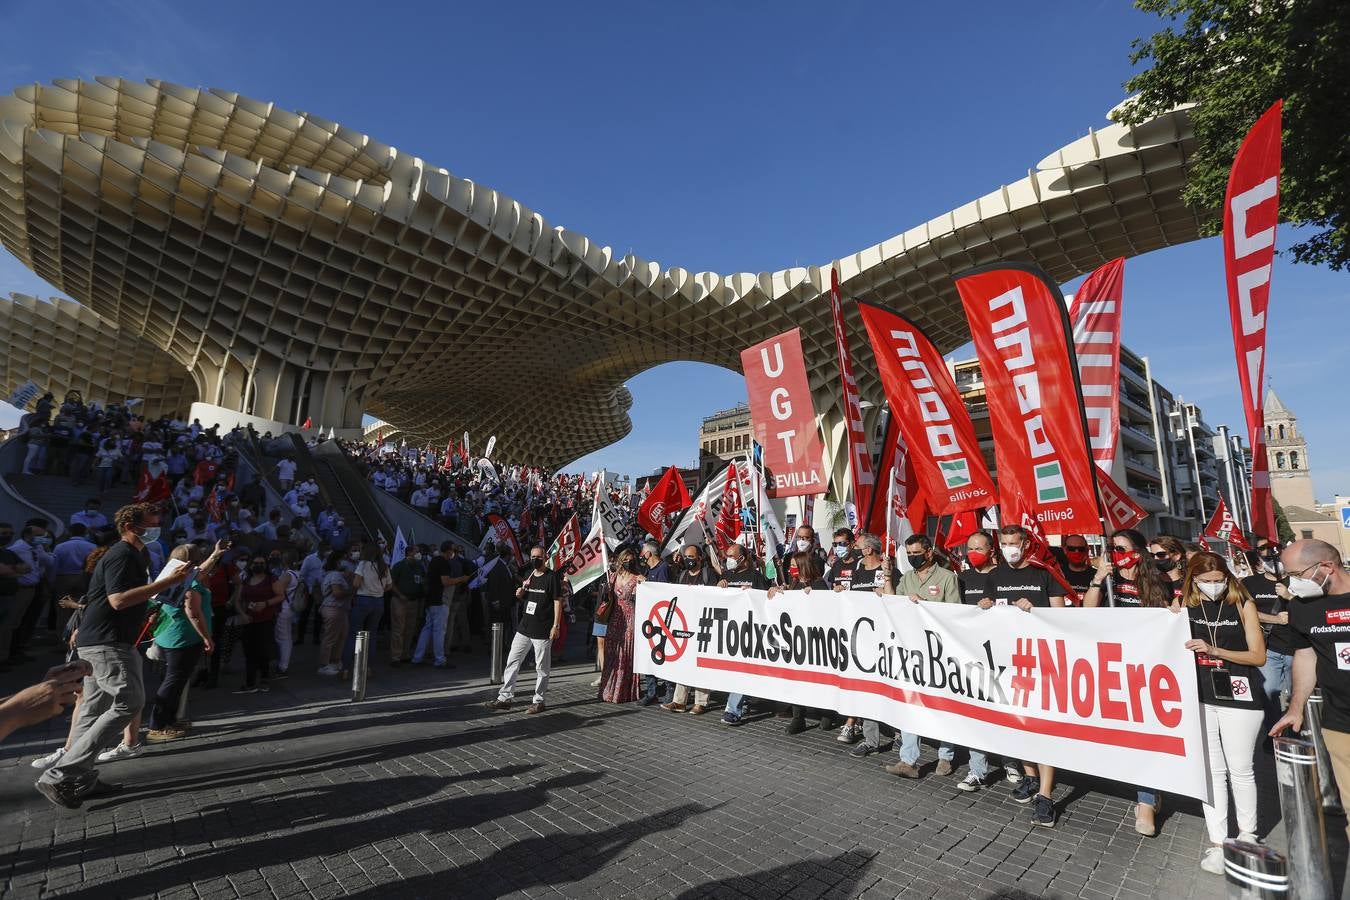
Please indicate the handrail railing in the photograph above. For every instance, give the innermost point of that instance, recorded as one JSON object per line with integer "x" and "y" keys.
{"x": 15, "y": 507}
{"x": 354, "y": 490}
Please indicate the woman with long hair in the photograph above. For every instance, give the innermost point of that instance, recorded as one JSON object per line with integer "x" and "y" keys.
{"x": 370, "y": 581}
{"x": 183, "y": 636}
{"x": 1132, "y": 576}
{"x": 257, "y": 598}
{"x": 1229, "y": 651}
{"x": 618, "y": 684}
{"x": 1170, "y": 556}
{"x": 807, "y": 575}
{"x": 335, "y": 607}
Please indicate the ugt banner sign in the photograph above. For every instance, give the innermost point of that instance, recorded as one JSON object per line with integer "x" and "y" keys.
{"x": 1109, "y": 692}
{"x": 784, "y": 415}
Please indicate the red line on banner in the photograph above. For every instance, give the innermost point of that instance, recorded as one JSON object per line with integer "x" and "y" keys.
{"x": 1155, "y": 743}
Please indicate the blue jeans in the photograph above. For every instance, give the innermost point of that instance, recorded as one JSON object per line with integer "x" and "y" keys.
{"x": 979, "y": 764}
{"x": 651, "y": 687}
{"x": 1146, "y": 796}
{"x": 364, "y": 616}
{"x": 909, "y": 749}
{"x": 736, "y": 704}
{"x": 1276, "y": 675}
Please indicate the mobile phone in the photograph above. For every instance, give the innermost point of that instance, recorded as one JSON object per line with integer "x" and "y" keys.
{"x": 1223, "y": 684}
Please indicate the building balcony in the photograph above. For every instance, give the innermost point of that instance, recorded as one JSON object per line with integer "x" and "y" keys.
{"x": 1137, "y": 437}
{"x": 1143, "y": 466}
{"x": 1152, "y": 501}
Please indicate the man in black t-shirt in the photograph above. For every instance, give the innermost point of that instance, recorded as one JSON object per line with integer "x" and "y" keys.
{"x": 1078, "y": 571}
{"x": 1017, "y": 583}
{"x": 541, "y": 598}
{"x": 1272, "y": 598}
{"x": 843, "y": 559}
{"x": 113, "y": 694}
{"x": 739, "y": 571}
{"x": 1319, "y": 630}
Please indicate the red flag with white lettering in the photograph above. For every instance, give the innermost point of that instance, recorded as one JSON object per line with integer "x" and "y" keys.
{"x": 567, "y": 544}
{"x": 1095, "y": 314}
{"x": 784, "y": 415}
{"x": 1023, "y": 339}
{"x": 729, "y": 521}
{"x": 502, "y": 534}
{"x": 669, "y": 497}
{"x": 1251, "y": 210}
{"x": 1120, "y": 510}
{"x": 948, "y": 464}
{"x": 859, "y": 454}
{"x": 1222, "y": 526}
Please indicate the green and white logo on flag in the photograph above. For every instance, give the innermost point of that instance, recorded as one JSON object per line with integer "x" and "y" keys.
{"x": 955, "y": 473}
{"x": 1050, "y": 486}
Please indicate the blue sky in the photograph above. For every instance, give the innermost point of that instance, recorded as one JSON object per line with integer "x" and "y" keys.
{"x": 727, "y": 137}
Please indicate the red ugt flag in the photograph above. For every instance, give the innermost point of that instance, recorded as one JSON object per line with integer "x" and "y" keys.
{"x": 669, "y": 497}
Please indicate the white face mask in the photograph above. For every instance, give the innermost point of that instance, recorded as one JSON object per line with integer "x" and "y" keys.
{"x": 1307, "y": 588}
{"x": 733, "y": 562}
{"x": 1212, "y": 589}
{"x": 803, "y": 545}
{"x": 1013, "y": 554}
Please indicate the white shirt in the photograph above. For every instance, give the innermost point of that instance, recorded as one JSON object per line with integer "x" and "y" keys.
{"x": 90, "y": 520}
{"x": 286, "y": 470}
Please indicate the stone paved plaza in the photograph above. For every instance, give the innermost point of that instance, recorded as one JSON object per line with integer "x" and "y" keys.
{"x": 420, "y": 792}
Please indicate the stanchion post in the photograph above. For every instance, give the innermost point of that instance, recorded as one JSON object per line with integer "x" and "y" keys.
{"x": 1305, "y": 825}
{"x": 1254, "y": 872}
{"x": 1326, "y": 777}
{"x": 498, "y": 656}
{"x": 360, "y": 666}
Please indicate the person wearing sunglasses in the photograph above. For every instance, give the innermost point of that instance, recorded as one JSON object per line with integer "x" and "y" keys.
{"x": 694, "y": 571}
{"x": 1319, "y": 627}
{"x": 1229, "y": 651}
{"x": 1170, "y": 557}
{"x": 843, "y": 561}
{"x": 1078, "y": 571}
{"x": 1273, "y": 601}
{"x": 1136, "y": 583}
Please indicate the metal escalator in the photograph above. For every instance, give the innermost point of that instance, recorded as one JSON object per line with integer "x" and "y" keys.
{"x": 343, "y": 488}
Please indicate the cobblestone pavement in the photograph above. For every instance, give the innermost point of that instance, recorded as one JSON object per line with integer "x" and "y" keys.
{"x": 420, "y": 792}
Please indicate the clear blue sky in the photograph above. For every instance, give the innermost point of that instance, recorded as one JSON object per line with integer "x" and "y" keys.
{"x": 722, "y": 136}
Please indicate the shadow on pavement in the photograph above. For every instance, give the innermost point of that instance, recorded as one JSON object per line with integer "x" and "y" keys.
{"x": 827, "y": 879}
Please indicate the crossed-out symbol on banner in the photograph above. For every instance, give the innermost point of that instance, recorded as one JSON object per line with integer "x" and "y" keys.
{"x": 667, "y": 644}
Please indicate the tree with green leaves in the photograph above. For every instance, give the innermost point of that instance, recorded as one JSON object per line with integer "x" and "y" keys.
{"x": 1286, "y": 531}
{"x": 1234, "y": 59}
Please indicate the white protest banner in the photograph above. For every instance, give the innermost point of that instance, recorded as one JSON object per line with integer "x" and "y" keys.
{"x": 1108, "y": 692}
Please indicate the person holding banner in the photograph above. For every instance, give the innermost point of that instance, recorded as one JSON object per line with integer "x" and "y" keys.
{"x": 542, "y": 599}
{"x": 1018, "y": 583}
{"x": 655, "y": 569}
{"x": 695, "y": 571}
{"x": 807, "y": 575}
{"x": 739, "y": 571}
{"x": 1078, "y": 571}
{"x": 1170, "y": 557}
{"x": 926, "y": 581}
{"x": 1135, "y": 582}
{"x": 1229, "y": 651}
{"x": 843, "y": 559}
{"x": 981, "y": 559}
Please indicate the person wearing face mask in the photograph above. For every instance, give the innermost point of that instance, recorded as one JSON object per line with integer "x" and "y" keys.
{"x": 1078, "y": 571}
{"x": 370, "y": 580}
{"x": 540, "y": 596}
{"x": 257, "y": 598}
{"x": 739, "y": 572}
{"x": 1170, "y": 556}
{"x": 31, "y": 598}
{"x": 91, "y": 517}
{"x": 1319, "y": 630}
{"x": 1135, "y": 583}
{"x": 114, "y": 693}
{"x": 803, "y": 542}
{"x": 694, "y": 571}
{"x": 1229, "y": 651}
{"x": 656, "y": 570}
{"x": 1015, "y": 582}
{"x": 926, "y": 581}
{"x": 843, "y": 559}
{"x": 618, "y": 684}
{"x": 409, "y": 575}
{"x": 1273, "y": 600}
{"x": 282, "y": 568}
{"x": 872, "y": 572}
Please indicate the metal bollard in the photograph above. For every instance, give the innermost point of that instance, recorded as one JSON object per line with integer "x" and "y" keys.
{"x": 1326, "y": 777}
{"x": 360, "y": 666}
{"x": 1305, "y": 826}
{"x": 1254, "y": 872}
{"x": 498, "y": 655}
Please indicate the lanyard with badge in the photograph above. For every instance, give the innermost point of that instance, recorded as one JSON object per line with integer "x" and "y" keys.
{"x": 1219, "y": 676}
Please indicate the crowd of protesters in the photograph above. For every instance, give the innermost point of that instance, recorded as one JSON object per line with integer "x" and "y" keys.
{"x": 221, "y": 573}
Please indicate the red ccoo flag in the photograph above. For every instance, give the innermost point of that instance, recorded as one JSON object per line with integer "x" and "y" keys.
{"x": 1251, "y": 210}
{"x": 669, "y": 497}
{"x": 309, "y": 423}
{"x": 1222, "y": 526}
{"x": 859, "y": 454}
{"x": 1121, "y": 511}
{"x": 1023, "y": 339}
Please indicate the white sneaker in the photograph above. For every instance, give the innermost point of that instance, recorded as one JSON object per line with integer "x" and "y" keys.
{"x": 849, "y": 734}
{"x": 1014, "y": 773}
{"x": 51, "y": 759}
{"x": 969, "y": 783}
{"x": 1245, "y": 837}
{"x": 121, "y": 751}
{"x": 596, "y": 682}
{"x": 1212, "y": 860}
{"x": 328, "y": 670}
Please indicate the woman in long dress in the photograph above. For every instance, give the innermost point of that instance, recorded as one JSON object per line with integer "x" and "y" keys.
{"x": 618, "y": 684}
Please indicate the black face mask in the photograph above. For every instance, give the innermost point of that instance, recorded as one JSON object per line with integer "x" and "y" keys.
{"x": 917, "y": 560}
{"x": 537, "y": 562}
{"x": 258, "y": 568}
{"x": 1166, "y": 565}
{"x": 691, "y": 564}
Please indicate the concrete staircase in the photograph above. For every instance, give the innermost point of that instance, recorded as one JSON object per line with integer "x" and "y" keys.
{"x": 63, "y": 498}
